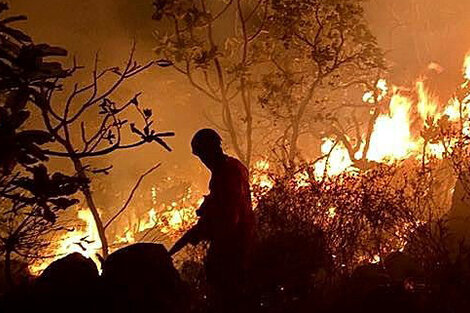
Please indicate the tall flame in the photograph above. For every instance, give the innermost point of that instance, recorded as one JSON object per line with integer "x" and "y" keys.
{"x": 391, "y": 138}
{"x": 336, "y": 159}
{"x": 466, "y": 67}
{"x": 427, "y": 102}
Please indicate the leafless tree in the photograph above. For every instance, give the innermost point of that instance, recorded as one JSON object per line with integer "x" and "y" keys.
{"x": 90, "y": 111}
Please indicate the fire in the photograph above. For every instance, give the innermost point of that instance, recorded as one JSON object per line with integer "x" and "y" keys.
{"x": 427, "y": 102}
{"x": 84, "y": 239}
{"x": 336, "y": 159}
{"x": 391, "y": 138}
{"x": 453, "y": 109}
{"x": 377, "y": 96}
{"x": 466, "y": 67}
{"x": 169, "y": 219}
{"x": 260, "y": 176}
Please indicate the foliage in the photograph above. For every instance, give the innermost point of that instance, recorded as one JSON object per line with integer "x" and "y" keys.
{"x": 88, "y": 123}
{"x": 361, "y": 241}
{"x": 220, "y": 62}
{"x": 362, "y": 216}
{"x": 36, "y": 122}
{"x": 30, "y": 196}
{"x": 297, "y": 60}
{"x": 322, "y": 54}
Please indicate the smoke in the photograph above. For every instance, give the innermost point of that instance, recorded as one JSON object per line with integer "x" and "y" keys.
{"x": 414, "y": 33}
{"x": 109, "y": 27}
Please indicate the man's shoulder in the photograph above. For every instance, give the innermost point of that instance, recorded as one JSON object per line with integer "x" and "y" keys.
{"x": 234, "y": 164}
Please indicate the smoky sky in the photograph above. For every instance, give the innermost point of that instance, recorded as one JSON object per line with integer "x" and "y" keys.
{"x": 109, "y": 27}
{"x": 413, "y": 33}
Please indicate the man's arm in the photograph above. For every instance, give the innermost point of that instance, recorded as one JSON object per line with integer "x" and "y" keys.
{"x": 192, "y": 236}
{"x": 198, "y": 231}
{"x": 182, "y": 242}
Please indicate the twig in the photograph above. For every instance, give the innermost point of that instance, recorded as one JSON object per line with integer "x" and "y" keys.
{"x": 131, "y": 195}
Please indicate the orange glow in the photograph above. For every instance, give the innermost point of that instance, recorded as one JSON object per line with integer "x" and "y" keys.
{"x": 261, "y": 177}
{"x": 336, "y": 159}
{"x": 466, "y": 67}
{"x": 169, "y": 219}
{"x": 427, "y": 103}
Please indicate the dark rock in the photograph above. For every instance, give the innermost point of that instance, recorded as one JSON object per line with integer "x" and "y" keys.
{"x": 68, "y": 284}
{"x": 142, "y": 278}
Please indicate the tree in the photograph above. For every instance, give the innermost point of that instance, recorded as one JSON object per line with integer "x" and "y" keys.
{"x": 30, "y": 197}
{"x": 88, "y": 123}
{"x": 91, "y": 112}
{"x": 319, "y": 52}
{"x": 220, "y": 62}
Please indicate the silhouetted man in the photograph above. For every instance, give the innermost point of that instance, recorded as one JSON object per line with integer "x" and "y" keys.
{"x": 226, "y": 220}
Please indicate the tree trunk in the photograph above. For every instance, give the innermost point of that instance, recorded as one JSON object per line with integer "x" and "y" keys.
{"x": 226, "y": 108}
{"x": 229, "y": 123}
{"x": 92, "y": 207}
{"x": 249, "y": 121}
{"x": 249, "y": 139}
{"x": 293, "y": 145}
{"x": 7, "y": 269}
{"x": 296, "y": 121}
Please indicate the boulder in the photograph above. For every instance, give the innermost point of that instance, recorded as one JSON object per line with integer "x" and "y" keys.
{"x": 68, "y": 284}
{"x": 141, "y": 278}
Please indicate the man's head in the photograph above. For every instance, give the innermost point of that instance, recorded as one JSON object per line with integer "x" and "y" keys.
{"x": 206, "y": 144}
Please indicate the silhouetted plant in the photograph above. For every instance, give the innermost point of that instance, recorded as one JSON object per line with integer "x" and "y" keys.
{"x": 37, "y": 123}
{"x": 30, "y": 197}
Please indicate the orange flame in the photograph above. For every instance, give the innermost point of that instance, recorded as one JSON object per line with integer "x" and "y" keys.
{"x": 392, "y": 139}
{"x": 84, "y": 240}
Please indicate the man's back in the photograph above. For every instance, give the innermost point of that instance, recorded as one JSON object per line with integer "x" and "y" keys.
{"x": 230, "y": 213}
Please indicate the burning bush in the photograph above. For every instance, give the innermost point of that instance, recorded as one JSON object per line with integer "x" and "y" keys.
{"x": 362, "y": 216}
{"x": 344, "y": 240}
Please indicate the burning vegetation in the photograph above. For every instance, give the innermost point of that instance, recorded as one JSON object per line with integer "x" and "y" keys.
{"x": 374, "y": 211}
